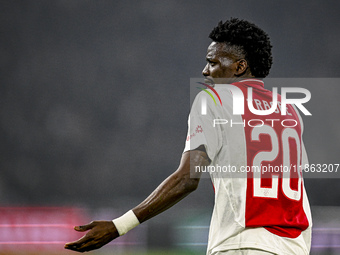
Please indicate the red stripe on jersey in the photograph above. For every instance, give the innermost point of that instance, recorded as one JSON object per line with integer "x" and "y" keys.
{"x": 274, "y": 199}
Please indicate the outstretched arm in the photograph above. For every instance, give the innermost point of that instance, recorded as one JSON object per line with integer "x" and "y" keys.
{"x": 173, "y": 189}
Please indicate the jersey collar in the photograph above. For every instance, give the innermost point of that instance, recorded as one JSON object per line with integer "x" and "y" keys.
{"x": 252, "y": 82}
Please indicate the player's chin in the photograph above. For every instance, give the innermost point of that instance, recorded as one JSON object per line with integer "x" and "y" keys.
{"x": 209, "y": 81}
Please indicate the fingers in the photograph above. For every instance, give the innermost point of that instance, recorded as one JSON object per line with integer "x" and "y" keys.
{"x": 71, "y": 246}
{"x": 79, "y": 244}
{"x": 84, "y": 227}
{"x": 101, "y": 233}
{"x": 83, "y": 244}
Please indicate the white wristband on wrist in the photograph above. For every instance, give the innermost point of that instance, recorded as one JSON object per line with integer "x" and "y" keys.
{"x": 126, "y": 222}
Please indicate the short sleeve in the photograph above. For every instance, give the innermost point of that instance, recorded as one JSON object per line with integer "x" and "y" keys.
{"x": 201, "y": 130}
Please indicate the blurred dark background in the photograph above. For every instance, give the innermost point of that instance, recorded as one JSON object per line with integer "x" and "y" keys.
{"x": 94, "y": 95}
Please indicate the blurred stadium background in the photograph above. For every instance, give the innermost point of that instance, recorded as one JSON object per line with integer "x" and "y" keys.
{"x": 94, "y": 99}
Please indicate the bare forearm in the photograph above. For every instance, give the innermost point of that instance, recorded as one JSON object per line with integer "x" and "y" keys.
{"x": 169, "y": 192}
{"x": 173, "y": 189}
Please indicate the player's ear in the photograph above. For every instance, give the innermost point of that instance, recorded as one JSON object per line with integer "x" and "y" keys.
{"x": 241, "y": 67}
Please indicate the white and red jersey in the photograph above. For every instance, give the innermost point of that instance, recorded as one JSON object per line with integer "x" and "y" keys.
{"x": 260, "y": 200}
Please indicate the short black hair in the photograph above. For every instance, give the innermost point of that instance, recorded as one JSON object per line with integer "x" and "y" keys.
{"x": 253, "y": 41}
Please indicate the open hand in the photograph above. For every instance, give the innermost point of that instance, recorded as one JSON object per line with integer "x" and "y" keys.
{"x": 101, "y": 233}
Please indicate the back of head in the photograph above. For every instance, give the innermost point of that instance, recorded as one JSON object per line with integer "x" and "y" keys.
{"x": 247, "y": 41}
